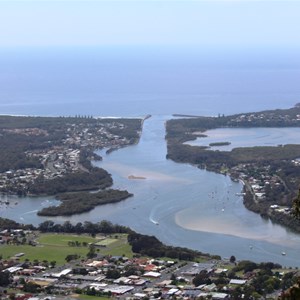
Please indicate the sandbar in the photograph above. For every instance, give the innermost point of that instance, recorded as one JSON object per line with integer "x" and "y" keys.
{"x": 219, "y": 226}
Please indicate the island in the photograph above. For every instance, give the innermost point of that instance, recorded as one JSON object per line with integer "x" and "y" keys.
{"x": 136, "y": 177}
{"x": 75, "y": 203}
{"x": 53, "y": 155}
{"x": 271, "y": 175}
{"x": 217, "y": 144}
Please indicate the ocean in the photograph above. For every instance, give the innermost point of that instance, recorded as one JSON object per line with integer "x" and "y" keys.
{"x": 129, "y": 81}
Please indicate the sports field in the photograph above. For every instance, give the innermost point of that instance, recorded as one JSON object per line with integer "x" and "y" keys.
{"x": 55, "y": 247}
{"x": 50, "y": 247}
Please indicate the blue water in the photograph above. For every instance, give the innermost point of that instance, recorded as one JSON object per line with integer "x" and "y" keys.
{"x": 247, "y": 137}
{"x": 127, "y": 82}
{"x": 139, "y": 81}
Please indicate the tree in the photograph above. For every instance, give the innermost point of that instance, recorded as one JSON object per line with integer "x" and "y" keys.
{"x": 46, "y": 226}
{"x": 5, "y": 278}
{"x": 78, "y": 228}
{"x": 232, "y": 259}
{"x": 113, "y": 274}
{"x": 92, "y": 252}
{"x": 296, "y": 206}
{"x": 52, "y": 263}
{"x": 70, "y": 257}
{"x": 173, "y": 278}
{"x": 91, "y": 291}
{"x": 45, "y": 262}
{"x": 202, "y": 278}
{"x": 67, "y": 226}
{"x": 31, "y": 287}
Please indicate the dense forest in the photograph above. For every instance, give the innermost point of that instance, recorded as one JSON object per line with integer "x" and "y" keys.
{"x": 75, "y": 203}
{"x": 72, "y": 182}
{"x": 151, "y": 246}
{"x": 13, "y": 148}
{"x": 213, "y": 160}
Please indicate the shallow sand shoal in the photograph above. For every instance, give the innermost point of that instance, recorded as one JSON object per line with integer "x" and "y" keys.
{"x": 219, "y": 226}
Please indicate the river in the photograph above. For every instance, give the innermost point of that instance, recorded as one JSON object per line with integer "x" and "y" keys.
{"x": 178, "y": 203}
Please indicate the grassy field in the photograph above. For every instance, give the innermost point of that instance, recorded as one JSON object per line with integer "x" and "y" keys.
{"x": 106, "y": 242}
{"x": 51, "y": 247}
{"x": 63, "y": 239}
{"x": 119, "y": 246}
{"x": 55, "y": 247}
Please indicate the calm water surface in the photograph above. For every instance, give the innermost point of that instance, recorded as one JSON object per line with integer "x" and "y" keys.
{"x": 180, "y": 204}
{"x": 247, "y": 137}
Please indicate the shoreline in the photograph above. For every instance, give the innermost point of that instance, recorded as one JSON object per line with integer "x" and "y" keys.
{"x": 217, "y": 226}
{"x": 269, "y": 173}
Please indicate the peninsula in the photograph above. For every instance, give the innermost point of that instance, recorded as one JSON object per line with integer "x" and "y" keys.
{"x": 53, "y": 155}
{"x": 270, "y": 174}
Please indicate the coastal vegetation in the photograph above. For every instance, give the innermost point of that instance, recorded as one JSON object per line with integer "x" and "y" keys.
{"x": 75, "y": 203}
{"x": 271, "y": 174}
{"x": 151, "y": 246}
{"x": 219, "y": 144}
{"x": 213, "y": 160}
{"x": 71, "y": 182}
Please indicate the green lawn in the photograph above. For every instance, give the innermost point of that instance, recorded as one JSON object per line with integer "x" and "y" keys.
{"x": 63, "y": 239}
{"x": 106, "y": 242}
{"x": 55, "y": 247}
{"x": 118, "y": 247}
{"x": 51, "y": 247}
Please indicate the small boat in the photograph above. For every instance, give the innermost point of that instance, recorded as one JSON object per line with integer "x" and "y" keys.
{"x": 283, "y": 253}
{"x": 240, "y": 194}
{"x": 154, "y": 222}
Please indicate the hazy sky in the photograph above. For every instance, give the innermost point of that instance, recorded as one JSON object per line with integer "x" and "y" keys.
{"x": 200, "y": 23}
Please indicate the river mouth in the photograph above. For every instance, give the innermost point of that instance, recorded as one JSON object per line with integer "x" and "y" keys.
{"x": 185, "y": 206}
{"x": 180, "y": 204}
